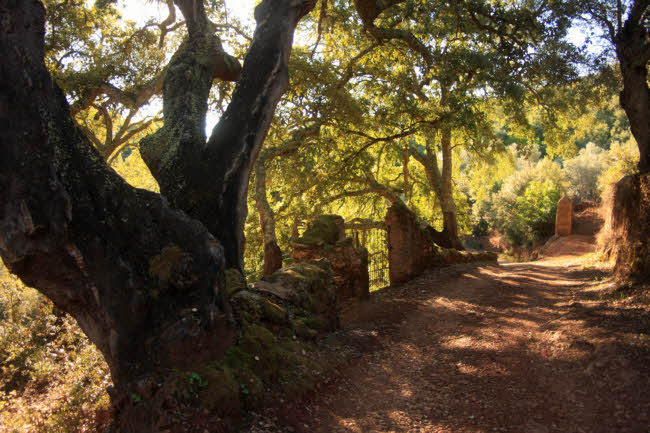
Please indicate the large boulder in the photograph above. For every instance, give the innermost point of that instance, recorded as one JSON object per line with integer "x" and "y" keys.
{"x": 325, "y": 239}
{"x": 324, "y": 230}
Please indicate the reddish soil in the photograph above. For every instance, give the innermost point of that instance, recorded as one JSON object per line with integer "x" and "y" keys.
{"x": 568, "y": 246}
{"x": 524, "y": 348}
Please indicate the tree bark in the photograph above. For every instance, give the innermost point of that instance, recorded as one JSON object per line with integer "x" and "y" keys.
{"x": 447, "y": 205}
{"x": 429, "y": 162}
{"x": 144, "y": 281}
{"x": 272, "y": 252}
{"x": 209, "y": 180}
{"x": 633, "y": 52}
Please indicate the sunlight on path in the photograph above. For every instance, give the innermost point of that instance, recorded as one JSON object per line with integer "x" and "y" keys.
{"x": 510, "y": 348}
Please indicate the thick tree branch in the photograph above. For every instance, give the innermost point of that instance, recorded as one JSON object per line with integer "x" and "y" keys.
{"x": 369, "y": 180}
{"x": 364, "y": 224}
{"x": 210, "y": 181}
{"x": 369, "y": 10}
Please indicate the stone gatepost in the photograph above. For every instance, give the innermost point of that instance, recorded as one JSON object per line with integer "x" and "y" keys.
{"x": 325, "y": 239}
{"x": 564, "y": 217}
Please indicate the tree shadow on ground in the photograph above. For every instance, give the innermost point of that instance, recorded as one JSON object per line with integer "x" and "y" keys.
{"x": 472, "y": 349}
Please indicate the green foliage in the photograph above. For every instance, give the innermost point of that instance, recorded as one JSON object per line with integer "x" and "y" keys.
{"x": 583, "y": 172}
{"x": 622, "y": 161}
{"x": 534, "y": 213}
{"x": 133, "y": 169}
{"x": 521, "y": 204}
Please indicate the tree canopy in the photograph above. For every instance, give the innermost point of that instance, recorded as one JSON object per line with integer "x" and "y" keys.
{"x": 474, "y": 114}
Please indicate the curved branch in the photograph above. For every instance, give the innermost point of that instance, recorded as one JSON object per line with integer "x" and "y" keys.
{"x": 369, "y": 10}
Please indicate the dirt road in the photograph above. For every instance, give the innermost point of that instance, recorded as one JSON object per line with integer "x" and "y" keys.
{"x": 526, "y": 348}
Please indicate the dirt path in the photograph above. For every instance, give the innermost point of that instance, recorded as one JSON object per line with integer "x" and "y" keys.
{"x": 526, "y": 348}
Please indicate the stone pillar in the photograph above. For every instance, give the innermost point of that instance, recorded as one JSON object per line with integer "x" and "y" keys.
{"x": 325, "y": 239}
{"x": 411, "y": 248}
{"x": 564, "y": 217}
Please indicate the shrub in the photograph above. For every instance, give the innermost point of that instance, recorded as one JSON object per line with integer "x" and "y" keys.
{"x": 52, "y": 379}
{"x": 523, "y": 209}
{"x": 583, "y": 171}
{"x": 623, "y": 159}
{"x": 534, "y": 213}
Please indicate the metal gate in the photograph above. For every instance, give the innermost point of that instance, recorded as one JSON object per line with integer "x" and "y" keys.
{"x": 374, "y": 239}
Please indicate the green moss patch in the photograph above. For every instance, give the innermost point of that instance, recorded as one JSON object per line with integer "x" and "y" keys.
{"x": 235, "y": 281}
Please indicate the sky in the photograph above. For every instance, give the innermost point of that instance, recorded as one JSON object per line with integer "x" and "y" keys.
{"x": 140, "y": 10}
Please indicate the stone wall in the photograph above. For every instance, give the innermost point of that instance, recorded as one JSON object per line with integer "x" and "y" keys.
{"x": 325, "y": 239}
{"x": 412, "y": 248}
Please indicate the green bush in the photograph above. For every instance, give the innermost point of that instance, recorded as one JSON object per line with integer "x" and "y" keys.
{"x": 533, "y": 218}
{"x": 623, "y": 159}
{"x": 583, "y": 172}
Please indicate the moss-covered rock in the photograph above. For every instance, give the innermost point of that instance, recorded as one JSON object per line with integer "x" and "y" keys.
{"x": 258, "y": 349}
{"x": 273, "y": 312}
{"x": 253, "y": 308}
{"x": 303, "y": 331}
{"x": 235, "y": 281}
{"x": 318, "y": 323}
{"x": 325, "y": 229}
{"x": 325, "y": 239}
{"x": 310, "y": 288}
{"x": 221, "y": 391}
{"x": 279, "y": 321}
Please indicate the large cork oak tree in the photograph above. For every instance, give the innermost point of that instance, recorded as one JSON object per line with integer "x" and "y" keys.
{"x": 142, "y": 273}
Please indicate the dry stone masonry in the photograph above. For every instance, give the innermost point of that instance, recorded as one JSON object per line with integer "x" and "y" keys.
{"x": 325, "y": 239}
{"x": 412, "y": 248}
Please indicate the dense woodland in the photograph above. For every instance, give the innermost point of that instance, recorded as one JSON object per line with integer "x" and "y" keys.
{"x": 476, "y": 115}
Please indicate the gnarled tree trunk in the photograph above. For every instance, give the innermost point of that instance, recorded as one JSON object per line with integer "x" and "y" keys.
{"x": 447, "y": 205}
{"x": 630, "y": 213}
{"x": 633, "y": 52}
{"x": 144, "y": 281}
{"x": 441, "y": 185}
{"x": 272, "y": 252}
{"x": 209, "y": 180}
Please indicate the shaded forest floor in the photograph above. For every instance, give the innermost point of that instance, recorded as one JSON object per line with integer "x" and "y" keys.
{"x": 540, "y": 347}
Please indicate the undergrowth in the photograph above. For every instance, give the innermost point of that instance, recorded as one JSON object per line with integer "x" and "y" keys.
{"x": 52, "y": 379}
